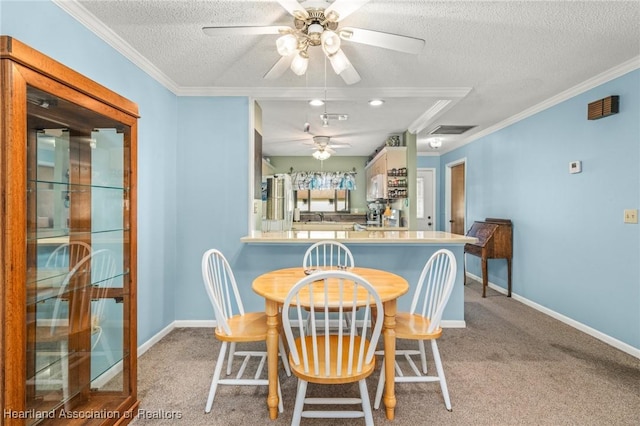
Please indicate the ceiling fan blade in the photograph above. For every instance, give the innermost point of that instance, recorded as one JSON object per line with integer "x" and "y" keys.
{"x": 294, "y": 8}
{"x": 350, "y": 75}
{"x": 279, "y": 67}
{"x": 343, "y": 8}
{"x": 223, "y": 31}
{"x": 329, "y": 150}
{"x": 385, "y": 40}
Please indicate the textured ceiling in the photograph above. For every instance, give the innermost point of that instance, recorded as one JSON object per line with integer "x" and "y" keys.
{"x": 492, "y": 60}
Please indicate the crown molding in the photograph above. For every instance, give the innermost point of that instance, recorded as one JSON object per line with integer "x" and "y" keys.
{"x": 93, "y": 24}
{"x": 333, "y": 93}
{"x": 586, "y": 85}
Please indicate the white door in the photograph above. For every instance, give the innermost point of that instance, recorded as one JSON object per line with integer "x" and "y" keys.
{"x": 426, "y": 200}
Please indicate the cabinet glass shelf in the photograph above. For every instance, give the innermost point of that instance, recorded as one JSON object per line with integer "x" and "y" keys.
{"x": 51, "y": 287}
{"x": 57, "y": 236}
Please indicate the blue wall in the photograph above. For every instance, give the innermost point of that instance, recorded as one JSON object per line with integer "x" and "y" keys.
{"x": 47, "y": 28}
{"x": 213, "y": 193}
{"x": 572, "y": 252}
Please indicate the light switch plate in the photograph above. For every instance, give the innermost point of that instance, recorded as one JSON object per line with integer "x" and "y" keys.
{"x": 631, "y": 216}
{"x": 575, "y": 166}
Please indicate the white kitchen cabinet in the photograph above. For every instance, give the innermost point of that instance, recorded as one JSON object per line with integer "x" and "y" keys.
{"x": 391, "y": 164}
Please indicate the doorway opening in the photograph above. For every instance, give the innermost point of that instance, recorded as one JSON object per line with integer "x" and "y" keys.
{"x": 455, "y": 196}
{"x": 426, "y": 219}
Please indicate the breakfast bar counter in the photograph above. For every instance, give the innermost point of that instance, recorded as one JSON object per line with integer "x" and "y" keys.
{"x": 358, "y": 237}
{"x": 401, "y": 252}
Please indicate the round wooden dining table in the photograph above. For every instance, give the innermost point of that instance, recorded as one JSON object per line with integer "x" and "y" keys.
{"x": 274, "y": 287}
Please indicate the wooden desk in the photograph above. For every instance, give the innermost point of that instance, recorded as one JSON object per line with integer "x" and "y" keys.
{"x": 274, "y": 287}
{"x": 495, "y": 241}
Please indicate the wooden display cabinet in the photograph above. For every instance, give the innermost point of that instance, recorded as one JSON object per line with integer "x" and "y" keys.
{"x": 68, "y": 245}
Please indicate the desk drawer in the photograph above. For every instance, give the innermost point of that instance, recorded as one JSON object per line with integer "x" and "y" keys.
{"x": 473, "y": 249}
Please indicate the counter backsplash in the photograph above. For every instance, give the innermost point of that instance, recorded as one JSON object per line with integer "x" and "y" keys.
{"x": 333, "y": 217}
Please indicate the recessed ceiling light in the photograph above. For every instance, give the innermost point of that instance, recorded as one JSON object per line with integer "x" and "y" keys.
{"x": 376, "y": 102}
{"x": 316, "y": 102}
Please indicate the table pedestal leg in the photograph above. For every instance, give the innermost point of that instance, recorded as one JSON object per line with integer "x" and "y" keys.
{"x": 389, "y": 333}
{"x": 272, "y": 357}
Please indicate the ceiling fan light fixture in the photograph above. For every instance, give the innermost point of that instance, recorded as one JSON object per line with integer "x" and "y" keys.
{"x": 321, "y": 155}
{"x": 314, "y": 32}
{"x": 332, "y": 16}
{"x": 300, "y": 63}
{"x": 339, "y": 61}
{"x": 376, "y": 102}
{"x": 330, "y": 42}
{"x": 286, "y": 44}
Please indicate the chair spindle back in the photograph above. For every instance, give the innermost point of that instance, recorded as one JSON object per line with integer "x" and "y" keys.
{"x": 326, "y": 254}
{"x": 221, "y": 287}
{"x": 334, "y": 293}
{"x": 434, "y": 287}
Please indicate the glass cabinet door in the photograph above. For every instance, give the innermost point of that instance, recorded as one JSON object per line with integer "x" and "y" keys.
{"x": 78, "y": 236}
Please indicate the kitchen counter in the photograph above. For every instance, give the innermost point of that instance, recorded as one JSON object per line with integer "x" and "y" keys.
{"x": 363, "y": 237}
{"x": 401, "y": 252}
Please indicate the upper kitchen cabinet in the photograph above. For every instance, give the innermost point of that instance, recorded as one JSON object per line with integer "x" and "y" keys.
{"x": 387, "y": 174}
{"x": 68, "y": 277}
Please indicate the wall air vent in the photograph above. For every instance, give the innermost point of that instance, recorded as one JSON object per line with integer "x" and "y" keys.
{"x": 450, "y": 130}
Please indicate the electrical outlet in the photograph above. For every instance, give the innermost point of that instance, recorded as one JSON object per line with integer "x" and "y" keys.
{"x": 631, "y": 216}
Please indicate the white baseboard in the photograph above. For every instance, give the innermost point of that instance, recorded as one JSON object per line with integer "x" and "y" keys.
{"x": 453, "y": 324}
{"x": 155, "y": 339}
{"x": 624, "y": 347}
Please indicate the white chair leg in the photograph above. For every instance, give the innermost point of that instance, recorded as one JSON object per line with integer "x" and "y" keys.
{"x": 423, "y": 356}
{"x": 297, "y": 409}
{"x": 443, "y": 381}
{"x": 283, "y": 356}
{"x": 366, "y": 404}
{"x": 216, "y": 377}
{"x": 307, "y": 323}
{"x": 280, "y": 403}
{"x": 380, "y": 388}
{"x": 347, "y": 320}
{"x": 232, "y": 351}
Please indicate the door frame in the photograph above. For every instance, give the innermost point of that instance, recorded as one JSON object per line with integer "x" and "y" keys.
{"x": 433, "y": 193}
{"x": 447, "y": 191}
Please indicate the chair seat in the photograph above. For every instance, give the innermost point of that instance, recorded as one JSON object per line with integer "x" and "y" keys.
{"x": 414, "y": 327}
{"x": 250, "y": 327}
{"x": 333, "y": 377}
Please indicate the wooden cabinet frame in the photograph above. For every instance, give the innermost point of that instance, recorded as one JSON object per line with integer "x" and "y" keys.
{"x": 22, "y": 67}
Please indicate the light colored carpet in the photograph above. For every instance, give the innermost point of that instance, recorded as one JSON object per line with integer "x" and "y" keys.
{"x": 511, "y": 366}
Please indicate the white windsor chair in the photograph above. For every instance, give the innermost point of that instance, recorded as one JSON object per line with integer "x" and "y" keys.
{"x": 234, "y": 326}
{"x": 422, "y": 322}
{"x": 328, "y": 254}
{"x": 322, "y": 358}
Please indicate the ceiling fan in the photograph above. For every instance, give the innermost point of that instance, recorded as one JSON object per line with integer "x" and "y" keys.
{"x": 324, "y": 147}
{"x": 317, "y": 24}
{"x": 324, "y": 142}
